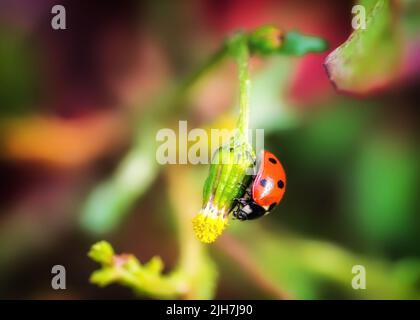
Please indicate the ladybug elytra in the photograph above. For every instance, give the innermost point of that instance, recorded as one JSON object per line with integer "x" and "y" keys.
{"x": 265, "y": 191}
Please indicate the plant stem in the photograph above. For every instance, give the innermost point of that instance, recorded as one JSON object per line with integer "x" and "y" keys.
{"x": 242, "y": 58}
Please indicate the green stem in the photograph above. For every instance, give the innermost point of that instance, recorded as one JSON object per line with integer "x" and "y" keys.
{"x": 242, "y": 58}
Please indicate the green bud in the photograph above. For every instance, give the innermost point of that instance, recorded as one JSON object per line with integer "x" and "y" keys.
{"x": 266, "y": 40}
{"x": 227, "y": 180}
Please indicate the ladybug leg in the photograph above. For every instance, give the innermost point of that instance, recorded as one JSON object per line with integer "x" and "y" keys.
{"x": 236, "y": 209}
{"x": 244, "y": 188}
{"x": 241, "y": 215}
{"x": 234, "y": 206}
{"x": 242, "y": 201}
{"x": 240, "y": 212}
{"x": 237, "y": 203}
{"x": 246, "y": 196}
{"x": 241, "y": 185}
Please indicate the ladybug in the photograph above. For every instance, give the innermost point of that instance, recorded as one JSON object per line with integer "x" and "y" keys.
{"x": 265, "y": 191}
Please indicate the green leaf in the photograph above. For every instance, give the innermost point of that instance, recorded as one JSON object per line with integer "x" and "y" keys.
{"x": 155, "y": 265}
{"x": 370, "y": 58}
{"x": 101, "y": 252}
{"x": 297, "y": 44}
{"x": 127, "y": 270}
{"x": 104, "y": 277}
{"x": 148, "y": 280}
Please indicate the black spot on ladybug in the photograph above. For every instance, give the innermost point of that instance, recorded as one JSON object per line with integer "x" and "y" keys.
{"x": 272, "y": 206}
{"x": 263, "y": 183}
{"x": 280, "y": 184}
{"x": 272, "y": 160}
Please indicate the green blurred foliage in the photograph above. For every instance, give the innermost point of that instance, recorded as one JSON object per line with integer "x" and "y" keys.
{"x": 307, "y": 268}
{"x": 383, "y": 191}
{"x": 410, "y": 17}
{"x": 19, "y": 85}
{"x": 112, "y": 199}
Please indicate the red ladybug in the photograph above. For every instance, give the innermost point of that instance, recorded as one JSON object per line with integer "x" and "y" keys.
{"x": 265, "y": 191}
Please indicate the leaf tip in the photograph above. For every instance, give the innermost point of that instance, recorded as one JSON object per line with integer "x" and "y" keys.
{"x": 101, "y": 252}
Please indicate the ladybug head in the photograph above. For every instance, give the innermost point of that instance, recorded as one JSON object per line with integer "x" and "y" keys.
{"x": 249, "y": 211}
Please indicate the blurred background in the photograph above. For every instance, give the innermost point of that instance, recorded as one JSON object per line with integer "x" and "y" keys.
{"x": 80, "y": 108}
